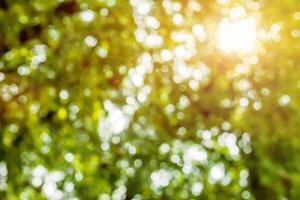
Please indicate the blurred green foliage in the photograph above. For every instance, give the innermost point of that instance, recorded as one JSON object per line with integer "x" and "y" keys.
{"x": 117, "y": 99}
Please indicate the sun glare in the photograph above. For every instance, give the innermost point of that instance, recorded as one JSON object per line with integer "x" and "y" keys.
{"x": 236, "y": 34}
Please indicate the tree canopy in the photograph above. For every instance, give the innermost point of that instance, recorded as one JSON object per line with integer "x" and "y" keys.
{"x": 146, "y": 99}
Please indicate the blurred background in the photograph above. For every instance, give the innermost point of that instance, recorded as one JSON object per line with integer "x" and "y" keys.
{"x": 149, "y": 99}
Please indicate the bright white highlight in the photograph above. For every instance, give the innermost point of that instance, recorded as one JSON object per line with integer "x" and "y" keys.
{"x": 197, "y": 188}
{"x": 87, "y": 15}
{"x": 237, "y": 36}
{"x": 217, "y": 172}
{"x": 161, "y": 178}
{"x": 115, "y": 122}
